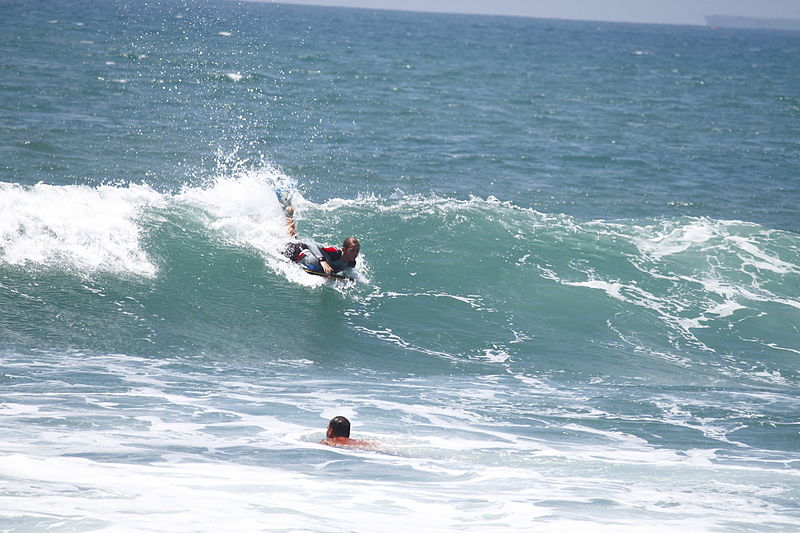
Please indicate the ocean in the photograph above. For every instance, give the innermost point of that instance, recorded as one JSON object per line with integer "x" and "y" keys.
{"x": 578, "y": 295}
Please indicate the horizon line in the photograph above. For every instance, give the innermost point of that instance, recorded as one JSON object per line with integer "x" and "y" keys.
{"x": 310, "y": 3}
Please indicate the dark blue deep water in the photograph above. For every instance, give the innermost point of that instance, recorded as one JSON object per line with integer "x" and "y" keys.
{"x": 578, "y": 305}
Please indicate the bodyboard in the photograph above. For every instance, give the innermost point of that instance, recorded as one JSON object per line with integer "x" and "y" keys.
{"x": 324, "y": 275}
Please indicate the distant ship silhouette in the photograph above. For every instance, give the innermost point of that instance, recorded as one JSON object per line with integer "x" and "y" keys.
{"x": 728, "y": 21}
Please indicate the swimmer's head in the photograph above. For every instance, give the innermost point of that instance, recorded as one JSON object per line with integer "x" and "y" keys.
{"x": 339, "y": 426}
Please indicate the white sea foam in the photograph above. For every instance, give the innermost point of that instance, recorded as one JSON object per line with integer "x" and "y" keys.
{"x": 760, "y": 259}
{"x": 84, "y": 228}
{"x": 241, "y": 454}
{"x": 697, "y": 272}
{"x": 242, "y": 208}
{"x": 93, "y": 229}
{"x": 496, "y": 355}
{"x": 679, "y": 239}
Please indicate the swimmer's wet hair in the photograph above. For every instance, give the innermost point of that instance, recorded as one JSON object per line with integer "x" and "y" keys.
{"x": 340, "y": 426}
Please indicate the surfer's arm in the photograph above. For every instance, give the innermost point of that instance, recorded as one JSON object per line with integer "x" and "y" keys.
{"x": 326, "y": 267}
{"x": 320, "y": 257}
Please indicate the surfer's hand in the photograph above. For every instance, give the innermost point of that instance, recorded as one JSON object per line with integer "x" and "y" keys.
{"x": 326, "y": 267}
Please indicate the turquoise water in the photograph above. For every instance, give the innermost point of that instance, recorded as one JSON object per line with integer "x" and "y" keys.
{"x": 579, "y": 289}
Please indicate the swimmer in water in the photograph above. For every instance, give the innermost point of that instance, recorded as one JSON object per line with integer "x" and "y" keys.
{"x": 338, "y": 434}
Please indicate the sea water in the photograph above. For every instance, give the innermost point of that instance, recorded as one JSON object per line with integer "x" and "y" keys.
{"x": 578, "y": 305}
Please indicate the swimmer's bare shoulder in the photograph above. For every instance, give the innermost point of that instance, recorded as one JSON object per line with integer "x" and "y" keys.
{"x": 340, "y": 442}
{"x": 338, "y": 435}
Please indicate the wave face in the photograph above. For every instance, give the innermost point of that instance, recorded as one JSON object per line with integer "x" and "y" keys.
{"x": 578, "y": 292}
{"x": 675, "y": 299}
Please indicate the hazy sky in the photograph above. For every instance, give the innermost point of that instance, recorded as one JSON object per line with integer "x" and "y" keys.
{"x": 658, "y": 11}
